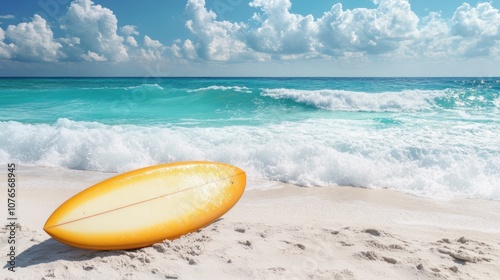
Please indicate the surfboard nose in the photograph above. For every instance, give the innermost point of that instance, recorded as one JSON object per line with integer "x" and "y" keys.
{"x": 240, "y": 179}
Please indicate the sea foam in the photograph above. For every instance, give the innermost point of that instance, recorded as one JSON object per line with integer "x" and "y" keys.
{"x": 463, "y": 159}
{"x": 222, "y": 88}
{"x": 342, "y": 100}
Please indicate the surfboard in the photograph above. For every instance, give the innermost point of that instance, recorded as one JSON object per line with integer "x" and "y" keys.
{"x": 148, "y": 205}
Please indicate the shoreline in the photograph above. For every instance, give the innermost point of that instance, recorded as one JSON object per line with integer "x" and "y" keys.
{"x": 276, "y": 230}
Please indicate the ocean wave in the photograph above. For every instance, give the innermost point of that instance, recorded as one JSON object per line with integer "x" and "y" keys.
{"x": 223, "y": 88}
{"x": 456, "y": 159}
{"x": 342, "y": 100}
{"x": 496, "y": 102}
{"x": 145, "y": 86}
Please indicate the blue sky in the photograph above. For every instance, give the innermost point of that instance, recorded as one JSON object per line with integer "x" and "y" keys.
{"x": 249, "y": 38}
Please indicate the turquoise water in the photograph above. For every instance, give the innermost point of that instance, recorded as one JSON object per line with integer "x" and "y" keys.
{"x": 427, "y": 136}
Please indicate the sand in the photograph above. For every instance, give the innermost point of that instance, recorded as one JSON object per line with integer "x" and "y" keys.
{"x": 276, "y": 231}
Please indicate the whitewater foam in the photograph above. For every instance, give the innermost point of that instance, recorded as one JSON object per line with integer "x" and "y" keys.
{"x": 223, "y": 88}
{"x": 342, "y": 100}
{"x": 461, "y": 160}
{"x": 145, "y": 87}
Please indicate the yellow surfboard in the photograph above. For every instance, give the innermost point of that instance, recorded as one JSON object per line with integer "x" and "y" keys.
{"x": 148, "y": 205}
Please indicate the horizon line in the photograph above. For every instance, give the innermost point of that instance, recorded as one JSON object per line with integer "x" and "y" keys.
{"x": 237, "y": 77}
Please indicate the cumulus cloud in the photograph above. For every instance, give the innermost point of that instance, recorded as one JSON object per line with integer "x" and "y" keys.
{"x": 483, "y": 20}
{"x": 153, "y": 49}
{"x": 479, "y": 28}
{"x": 5, "y": 50}
{"x": 176, "y": 51}
{"x": 32, "y": 41}
{"x": 90, "y": 32}
{"x": 471, "y": 32}
{"x": 129, "y": 30}
{"x": 282, "y": 32}
{"x": 215, "y": 40}
{"x": 150, "y": 43}
{"x": 92, "y": 56}
{"x": 390, "y": 29}
{"x": 96, "y": 27}
{"x": 371, "y": 31}
{"x": 189, "y": 49}
{"x": 432, "y": 39}
{"x": 287, "y": 35}
{"x": 132, "y": 41}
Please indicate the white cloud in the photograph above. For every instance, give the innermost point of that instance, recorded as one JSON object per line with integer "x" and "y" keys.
{"x": 153, "y": 50}
{"x": 282, "y": 32}
{"x": 33, "y": 41}
{"x": 478, "y": 27}
{"x": 7, "y": 16}
{"x": 176, "y": 51}
{"x": 215, "y": 40}
{"x": 70, "y": 41}
{"x": 371, "y": 31}
{"x": 131, "y": 41}
{"x": 286, "y": 35}
{"x": 5, "y": 50}
{"x": 155, "y": 44}
{"x": 391, "y": 30}
{"x": 149, "y": 54}
{"x": 483, "y": 20}
{"x": 92, "y": 56}
{"x": 129, "y": 30}
{"x": 96, "y": 27}
{"x": 432, "y": 39}
{"x": 189, "y": 49}
{"x": 90, "y": 35}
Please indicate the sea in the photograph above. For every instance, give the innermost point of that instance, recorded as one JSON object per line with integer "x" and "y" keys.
{"x": 434, "y": 137}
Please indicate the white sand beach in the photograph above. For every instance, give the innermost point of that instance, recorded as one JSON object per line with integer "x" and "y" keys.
{"x": 276, "y": 231}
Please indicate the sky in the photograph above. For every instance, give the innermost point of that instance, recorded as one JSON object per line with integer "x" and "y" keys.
{"x": 153, "y": 38}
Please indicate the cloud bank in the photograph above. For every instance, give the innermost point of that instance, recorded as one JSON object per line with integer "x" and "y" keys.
{"x": 30, "y": 41}
{"x": 94, "y": 28}
{"x": 391, "y": 30}
{"x": 91, "y": 33}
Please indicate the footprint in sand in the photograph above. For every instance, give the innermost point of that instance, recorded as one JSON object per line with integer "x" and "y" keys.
{"x": 464, "y": 250}
{"x": 372, "y": 256}
{"x": 241, "y": 230}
